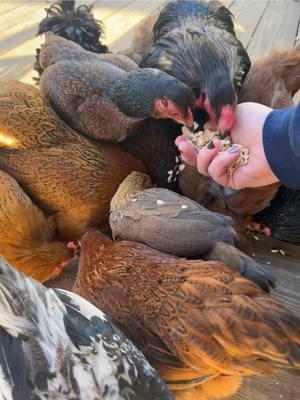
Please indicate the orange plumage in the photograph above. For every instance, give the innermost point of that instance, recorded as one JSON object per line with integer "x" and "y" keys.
{"x": 198, "y": 322}
{"x": 62, "y": 171}
{"x": 27, "y": 236}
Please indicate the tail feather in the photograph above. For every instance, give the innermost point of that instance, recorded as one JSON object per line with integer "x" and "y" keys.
{"x": 77, "y": 25}
{"x": 245, "y": 265}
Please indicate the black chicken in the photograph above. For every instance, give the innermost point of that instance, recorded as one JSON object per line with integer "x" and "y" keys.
{"x": 78, "y": 25}
{"x": 195, "y": 41}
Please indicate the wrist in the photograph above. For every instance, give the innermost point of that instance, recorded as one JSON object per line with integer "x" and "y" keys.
{"x": 277, "y": 146}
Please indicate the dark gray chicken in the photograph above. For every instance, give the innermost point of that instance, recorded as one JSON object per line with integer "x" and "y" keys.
{"x": 107, "y": 96}
{"x": 165, "y": 220}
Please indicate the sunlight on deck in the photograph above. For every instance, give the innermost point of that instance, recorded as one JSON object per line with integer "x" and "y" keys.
{"x": 18, "y": 41}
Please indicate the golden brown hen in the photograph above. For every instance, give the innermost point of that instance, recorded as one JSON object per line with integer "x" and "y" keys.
{"x": 61, "y": 170}
{"x": 201, "y": 324}
{"x": 27, "y": 237}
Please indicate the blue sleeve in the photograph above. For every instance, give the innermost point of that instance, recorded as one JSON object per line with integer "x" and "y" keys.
{"x": 281, "y": 140}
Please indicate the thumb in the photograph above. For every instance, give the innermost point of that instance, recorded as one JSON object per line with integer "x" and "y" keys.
{"x": 218, "y": 167}
{"x": 188, "y": 151}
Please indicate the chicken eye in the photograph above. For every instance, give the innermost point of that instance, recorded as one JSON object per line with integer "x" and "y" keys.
{"x": 164, "y": 102}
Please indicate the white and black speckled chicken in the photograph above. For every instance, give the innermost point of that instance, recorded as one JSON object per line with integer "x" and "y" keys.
{"x": 56, "y": 345}
{"x": 195, "y": 41}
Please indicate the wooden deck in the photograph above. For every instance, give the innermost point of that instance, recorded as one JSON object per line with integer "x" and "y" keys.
{"x": 262, "y": 25}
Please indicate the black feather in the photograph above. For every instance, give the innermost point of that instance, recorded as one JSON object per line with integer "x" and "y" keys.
{"x": 283, "y": 215}
{"x": 13, "y": 365}
{"x": 195, "y": 42}
{"x": 77, "y": 25}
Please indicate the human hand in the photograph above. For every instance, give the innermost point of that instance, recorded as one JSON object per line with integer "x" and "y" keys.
{"x": 247, "y": 131}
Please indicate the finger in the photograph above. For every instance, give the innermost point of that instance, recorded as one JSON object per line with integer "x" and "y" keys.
{"x": 206, "y": 155}
{"x": 181, "y": 138}
{"x": 218, "y": 167}
{"x": 188, "y": 152}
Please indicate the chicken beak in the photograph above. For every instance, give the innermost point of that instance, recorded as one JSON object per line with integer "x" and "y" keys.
{"x": 189, "y": 120}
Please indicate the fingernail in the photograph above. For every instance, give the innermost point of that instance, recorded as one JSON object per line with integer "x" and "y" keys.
{"x": 234, "y": 150}
{"x": 211, "y": 145}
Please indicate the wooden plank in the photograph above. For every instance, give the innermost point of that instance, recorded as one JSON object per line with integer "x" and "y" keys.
{"x": 286, "y": 268}
{"x": 104, "y": 9}
{"x": 282, "y": 386}
{"x": 124, "y": 41}
{"x": 123, "y": 21}
{"x": 20, "y": 15}
{"x": 247, "y": 16}
{"x": 287, "y": 31}
{"x": 20, "y": 68}
{"x": 6, "y": 6}
{"x": 265, "y": 35}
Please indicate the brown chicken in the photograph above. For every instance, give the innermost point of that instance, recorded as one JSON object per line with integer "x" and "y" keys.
{"x": 165, "y": 220}
{"x": 27, "y": 236}
{"x": 273, "y": 80}
{"x": 200, "y": 323}
{"x": 59, "y": 169}
{"x": 142, "y": 39}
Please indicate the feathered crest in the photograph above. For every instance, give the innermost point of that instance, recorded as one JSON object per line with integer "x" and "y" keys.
{"x": 78, "y": 25}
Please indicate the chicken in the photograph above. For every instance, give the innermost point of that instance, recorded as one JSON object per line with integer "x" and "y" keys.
{"x": 246, "y": 266}
{"x": 100, "y": 99}
{"x": 282, "y": 217}
{"x": 195, "y": 42}
{"x": 165, "y": 220}
{"x": 142, "y": 39}
{"x": 273, "y": 81}
{"x": 241, "y": 205}
{"x": 78, "y": 25}
{"x": 27, "y": 237}
{"x": 200, "y": 323}
{"x": 155, "y": 147}
{"x": 61, "y": 170}
{"x": 56, "y": 345}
